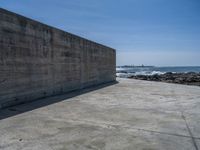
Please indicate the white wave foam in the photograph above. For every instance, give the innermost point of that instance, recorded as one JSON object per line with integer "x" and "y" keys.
{"x": 148, "y": 73}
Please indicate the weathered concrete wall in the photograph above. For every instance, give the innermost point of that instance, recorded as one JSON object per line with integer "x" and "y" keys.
{"x": 37, "y": 60}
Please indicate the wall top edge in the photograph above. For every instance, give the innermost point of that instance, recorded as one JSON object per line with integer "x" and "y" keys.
{"x": 2, "y": 10}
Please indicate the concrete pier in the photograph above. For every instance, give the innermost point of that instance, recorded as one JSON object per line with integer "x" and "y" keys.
{"x": 129, "y": 115}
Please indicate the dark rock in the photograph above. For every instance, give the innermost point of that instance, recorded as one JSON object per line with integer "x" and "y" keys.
{"x": 168, "y": 73}
{"x": 190, "y": 78}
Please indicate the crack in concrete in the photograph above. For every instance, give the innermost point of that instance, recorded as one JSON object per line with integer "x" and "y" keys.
{"x": 172, "y": 134}
{"x": 187, "y": 126}
{"x": 2, "y": 81}
{"x": 190, "y": 132}
{"x": 128, "y": 127}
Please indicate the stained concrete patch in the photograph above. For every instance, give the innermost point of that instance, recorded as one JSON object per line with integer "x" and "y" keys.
{"x": 132, "y": 114}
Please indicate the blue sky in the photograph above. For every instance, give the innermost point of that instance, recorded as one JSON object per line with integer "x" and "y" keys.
{"x": 150, "y": 32}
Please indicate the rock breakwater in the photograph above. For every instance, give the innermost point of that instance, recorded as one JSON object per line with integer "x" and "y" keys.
{"x": 190, "y": 78}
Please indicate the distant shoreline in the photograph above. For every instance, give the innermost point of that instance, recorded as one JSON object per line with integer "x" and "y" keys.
{"x": 128, "y": 71}
{"x": 133, "y": 66}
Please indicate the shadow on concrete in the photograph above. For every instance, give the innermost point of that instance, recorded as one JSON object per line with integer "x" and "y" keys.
{"x": 22, "y": 108}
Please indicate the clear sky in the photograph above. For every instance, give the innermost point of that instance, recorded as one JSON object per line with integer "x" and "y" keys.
{"x": 149, "y": 32}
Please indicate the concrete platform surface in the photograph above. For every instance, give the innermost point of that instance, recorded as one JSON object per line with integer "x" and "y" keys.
{"x": 129, "y": 115}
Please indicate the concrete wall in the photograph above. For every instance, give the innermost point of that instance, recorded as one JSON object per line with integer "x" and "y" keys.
{"x": 37, "y": 60}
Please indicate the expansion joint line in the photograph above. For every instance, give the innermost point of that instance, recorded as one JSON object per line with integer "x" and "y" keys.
{"x": 186, "y": 123}
{"x": 189, "y": 130}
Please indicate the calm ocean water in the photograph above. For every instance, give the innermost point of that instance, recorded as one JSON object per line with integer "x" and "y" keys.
{"x": 129, "y": 71}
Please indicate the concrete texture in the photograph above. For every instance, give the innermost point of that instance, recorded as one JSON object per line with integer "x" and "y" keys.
{"x": 37, "y": 60}
{"x": 129, "y": 115}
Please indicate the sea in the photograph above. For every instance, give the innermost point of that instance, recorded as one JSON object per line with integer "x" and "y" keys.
{"x": 127, "y": 71}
